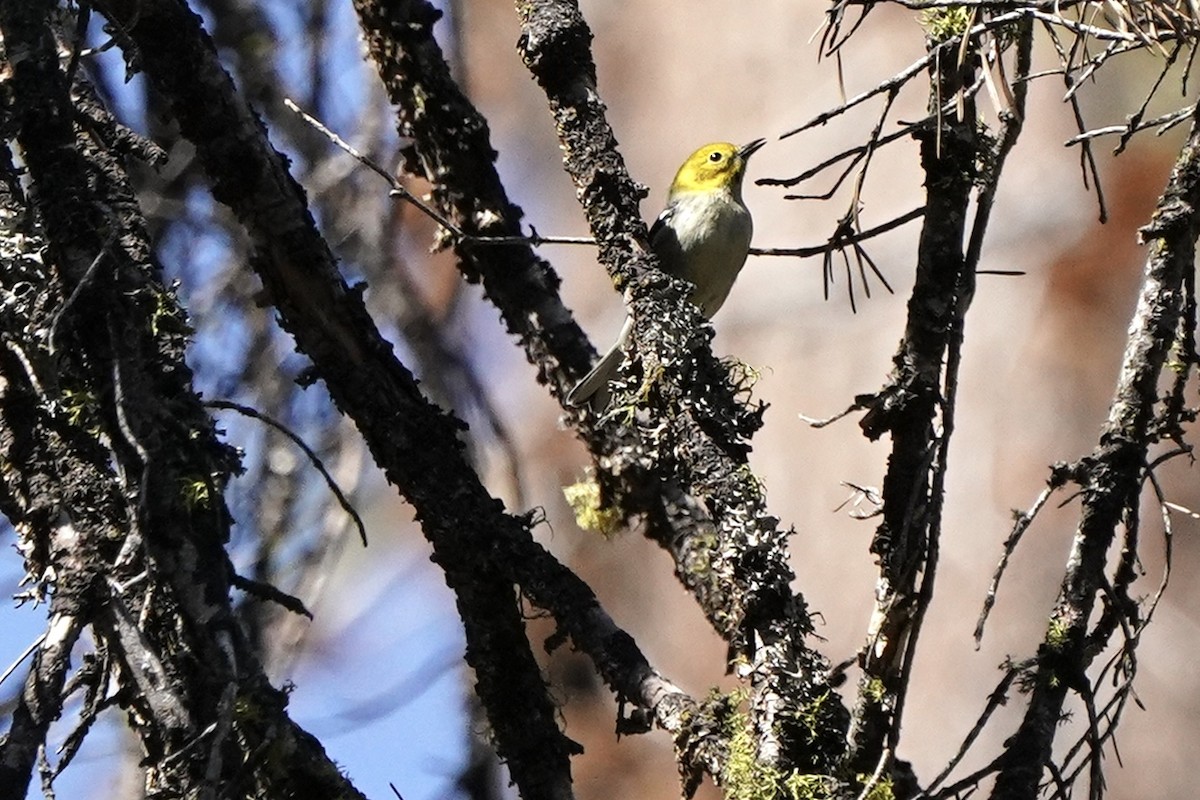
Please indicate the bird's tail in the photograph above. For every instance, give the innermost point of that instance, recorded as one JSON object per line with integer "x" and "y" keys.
{"x": 593, "y": 389}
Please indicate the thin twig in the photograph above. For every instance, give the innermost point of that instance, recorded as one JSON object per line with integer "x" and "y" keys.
{"x": 818, "y": 422}
{"x": 26, "y": 653}
{"x": 398, "y": 189}
{"x": 997, "y": 698}
{"x": 1087, "y": 159}
{"x": 313, "y": 458}
{"x": 1023, "y": 521}
{"x": 88, "y": 275}
{"x": 1136, "y": 117}
{"x": 1168, "y": 121}
{"x": 1079, "y": 27}
{"x": 885, "y": 760}
{"x": 838, "y": 243}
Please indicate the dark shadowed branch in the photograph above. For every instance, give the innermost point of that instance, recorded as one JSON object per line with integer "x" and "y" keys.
{"x": 906, "y": 540}
{"x": 113, "y": 471}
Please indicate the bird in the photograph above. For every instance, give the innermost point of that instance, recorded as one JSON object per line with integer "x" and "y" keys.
{"x": 703, "y": 236}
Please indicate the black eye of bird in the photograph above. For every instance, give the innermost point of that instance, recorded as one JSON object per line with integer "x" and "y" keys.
{"x": 714, "y": 156}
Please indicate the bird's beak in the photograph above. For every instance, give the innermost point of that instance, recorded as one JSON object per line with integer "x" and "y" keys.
{"x": 750, "y": 149}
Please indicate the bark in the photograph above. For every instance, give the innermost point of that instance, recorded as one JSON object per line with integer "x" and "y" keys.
{"x": 907, "y": 407}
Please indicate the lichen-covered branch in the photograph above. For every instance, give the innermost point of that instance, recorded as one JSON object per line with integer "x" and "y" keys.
{"x": 1112, "y": 477}
{"x": 481, "y": 549}
{"x": 415, "y": 443}
{"x": 452, "y": 149}
{"x": 706, "y": 507}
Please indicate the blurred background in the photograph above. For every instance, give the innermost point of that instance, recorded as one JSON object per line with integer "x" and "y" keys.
{"x": 378, "y": 676}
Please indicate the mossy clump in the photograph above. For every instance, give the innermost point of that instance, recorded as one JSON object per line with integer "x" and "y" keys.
{"x": 746, "y": 777}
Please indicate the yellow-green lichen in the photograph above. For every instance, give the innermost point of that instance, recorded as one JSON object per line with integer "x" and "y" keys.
{"x": 759, "y": 486}
{"x": 698, "y": 558}
{"x": 590, "y": 513}
{"x": 79, "y": 406}
{"x": 745, "y": 777}
{"x": 197, "y": 493}
{"x": 652, "y": 375}
{"x": 168, "y": 317}
{"x": 812, "y": 715}
{"x": 880, "y": 789}
{"x": 874, "y": 690}
{"x": 743, "y": 376}
{"x": 947, "y": 22}
{"x": 1057, "y": 634}
{"x": 799, "y": 786}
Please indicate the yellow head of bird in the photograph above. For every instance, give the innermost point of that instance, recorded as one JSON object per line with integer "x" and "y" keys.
{"x": 714, "y": 167}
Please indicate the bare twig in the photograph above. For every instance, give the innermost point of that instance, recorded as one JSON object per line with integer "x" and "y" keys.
{"x": 1023, "y": 520}
{"x": 313, "y": 458}
{"x": 1087, "y": 160}
{"x": 997, "y": 698}
{"x": 26, "y": 653}
{"x": 821, "y": 422}
{"x": 1135, "y": 119}
{"x": 398, "y": 189}
{"x": 840, "y": 241}
{"x": 1167, "y": 121}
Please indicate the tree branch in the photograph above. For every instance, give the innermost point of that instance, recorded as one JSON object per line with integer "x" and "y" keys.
{"x": 133, "y": 501}
{"x": 735, "y": 559}
{"x": 414, "y": 442}
{"x": 906, "y": 539}
{"x": 452, "y": 149}
{"x": 1114, "y": 474}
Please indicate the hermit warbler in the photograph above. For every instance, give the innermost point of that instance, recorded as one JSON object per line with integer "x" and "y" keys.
{"x": 702, "y": 236}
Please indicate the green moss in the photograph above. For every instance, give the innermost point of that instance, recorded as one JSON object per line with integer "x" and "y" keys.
{"x": 590, "y": 513}
{"x": 744, "y": 776}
